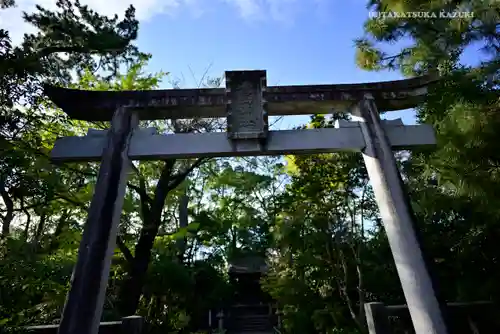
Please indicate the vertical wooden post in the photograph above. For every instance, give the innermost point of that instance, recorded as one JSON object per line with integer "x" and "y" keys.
{"x": 395, "y": 212}
{"x": 83, "y": 309}
{"x": 376, "y": 318}
{"x": 132, "y": 325}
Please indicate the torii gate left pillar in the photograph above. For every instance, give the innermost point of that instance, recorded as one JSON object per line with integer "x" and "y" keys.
{"x": 84, "y": 303}
{"x": 246, "y": 102}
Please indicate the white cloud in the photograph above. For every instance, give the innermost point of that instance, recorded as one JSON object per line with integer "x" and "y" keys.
{"x": 247, "y": 8}
{"x": 11, "y": 18}
{"x": 279, "y": 10}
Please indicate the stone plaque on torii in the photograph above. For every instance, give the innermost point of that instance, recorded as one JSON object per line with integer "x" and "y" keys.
{"x": 246, "y": 102}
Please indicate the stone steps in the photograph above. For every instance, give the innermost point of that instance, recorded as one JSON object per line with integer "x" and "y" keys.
{"x": 250, "y": 319}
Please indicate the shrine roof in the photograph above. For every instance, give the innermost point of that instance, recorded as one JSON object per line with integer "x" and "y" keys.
{"x": 207, "y": 102}
{"x": 248, "y": 264}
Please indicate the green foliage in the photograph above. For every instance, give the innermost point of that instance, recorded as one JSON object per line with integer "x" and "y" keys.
{"x": 321, "y": 236}
{"x": 315, "y": 219}
{"x": 436, "y": 42}
{"x": 453, "y": 186}
{"x": 79, "y": 32}
{"x": 33, "y": 287}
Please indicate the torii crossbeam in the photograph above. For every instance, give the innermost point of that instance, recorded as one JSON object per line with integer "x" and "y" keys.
{"x": 246, "y": 102}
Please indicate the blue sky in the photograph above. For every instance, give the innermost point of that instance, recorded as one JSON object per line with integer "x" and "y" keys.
{"x": 304, "y": 43}
{"x": 296, "y": 41}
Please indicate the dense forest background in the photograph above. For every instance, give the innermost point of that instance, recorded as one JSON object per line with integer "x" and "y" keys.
{"x": 314, "y": 217}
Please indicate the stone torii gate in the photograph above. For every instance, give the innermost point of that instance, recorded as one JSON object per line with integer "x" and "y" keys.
{"x": 247, "y": 102}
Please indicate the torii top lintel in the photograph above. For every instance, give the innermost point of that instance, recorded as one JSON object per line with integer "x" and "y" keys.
{"x": 211, "y": 102}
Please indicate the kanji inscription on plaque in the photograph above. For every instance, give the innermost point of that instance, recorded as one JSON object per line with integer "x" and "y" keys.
{"x": 246, "y": 114}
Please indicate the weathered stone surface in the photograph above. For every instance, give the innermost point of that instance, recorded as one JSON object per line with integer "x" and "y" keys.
{"x": 398, "y": 219}
{"x": 216, "y": 144}
{"x": 246, "y": 114}
{"x": 83, "y": 308}
{"x": 281, "y": 100}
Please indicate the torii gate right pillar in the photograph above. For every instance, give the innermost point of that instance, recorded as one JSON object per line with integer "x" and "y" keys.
{"x": 397, "y": 219}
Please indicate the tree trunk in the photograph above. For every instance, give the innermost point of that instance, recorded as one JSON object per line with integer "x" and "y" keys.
{"x": 62, "y": 224}
{"x": 133, "y": 285}
{"x": 27, "y": 226}
{"x": 39, "y": 230}
{"x": 131, "y": 292}
{"x": 9, "y": 215}
{"x": 183, "y": 223}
